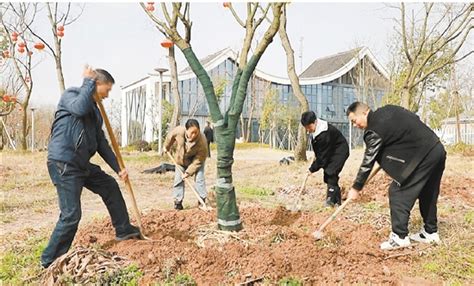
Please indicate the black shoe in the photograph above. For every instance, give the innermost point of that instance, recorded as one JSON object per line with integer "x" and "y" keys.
{"x": 178, "y": 205}
{"x": 337, "y": 196}
{"x": 45, "y": 265}
{"x": 329, "y": 203}
{"x": 333, "y": 196}
{"x": 132, "y": 232}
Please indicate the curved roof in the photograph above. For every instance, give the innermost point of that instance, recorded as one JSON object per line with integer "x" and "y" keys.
{"x": 330, "y": 64}
{"x": 322, "y": 70}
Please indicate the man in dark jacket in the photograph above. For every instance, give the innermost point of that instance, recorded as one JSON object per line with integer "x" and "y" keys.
{"x": 209, "y": 133}
{"x": 331, "y": 151}
{"x": 410, "y": 153}
{"x": 76, "y": 135}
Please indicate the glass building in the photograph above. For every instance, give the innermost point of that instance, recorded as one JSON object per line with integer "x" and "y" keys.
{"x": 330, "y": 85}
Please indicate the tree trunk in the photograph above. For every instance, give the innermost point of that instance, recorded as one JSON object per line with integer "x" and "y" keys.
{"x": 253, "y": 102}
{"x": 248, "y": 135}
{"x": 59, "y": 72}
{"x": 405, "y": 98}
{"x": 24, "y": 127}
{"x": 242, "y": 128}
{"x": 174, "y": 88}
{"x": 458, "y": 137}
{"x": 59, "y": 66}
{"x": 58, "y": 53}
{"x": 300, "y": 149}
{"x": 228, "y": 217}
{"x": 289, "y": 136}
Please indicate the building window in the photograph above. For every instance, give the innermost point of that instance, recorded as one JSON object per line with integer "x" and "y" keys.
{"x": 330, "y": 111}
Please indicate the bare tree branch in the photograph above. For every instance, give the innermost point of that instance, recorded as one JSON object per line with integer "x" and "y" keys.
{"x": 423, "y": 38}
{"x": 166, "y": 14}
{"x": 404, "y": 36}
{"x": 264, "y": 14}
{"x": 236, "y": 16}
{"x": 74, "y": 19}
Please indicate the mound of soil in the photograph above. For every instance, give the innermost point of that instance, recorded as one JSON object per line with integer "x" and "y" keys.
{"x": 451, "y": 187}
{"x": 274, "y": 244}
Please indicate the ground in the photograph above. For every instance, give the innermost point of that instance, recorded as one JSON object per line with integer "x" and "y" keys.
{"x": 276, "y": 243}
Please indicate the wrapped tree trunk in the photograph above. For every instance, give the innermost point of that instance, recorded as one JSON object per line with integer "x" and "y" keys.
{"x": 228, "y": 217}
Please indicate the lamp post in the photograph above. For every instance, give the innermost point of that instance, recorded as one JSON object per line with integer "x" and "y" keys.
{"x": 32, "y": 128}
{"x": 160, "y": 109}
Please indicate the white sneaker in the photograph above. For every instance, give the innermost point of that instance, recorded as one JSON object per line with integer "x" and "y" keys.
{"x": 423, "y": 236}
{"x": 394, "y": 242}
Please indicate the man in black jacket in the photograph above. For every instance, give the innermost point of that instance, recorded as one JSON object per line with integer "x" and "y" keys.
{"x": 331, "y": 151}
{"x": 410, "y": 153}
{"x": 76, "y": 135}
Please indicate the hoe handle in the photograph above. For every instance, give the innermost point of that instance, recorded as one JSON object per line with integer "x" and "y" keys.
{"x": 186, "y": 180}
{"x": 341, "y": 207}
{"x": 116, "y": 149}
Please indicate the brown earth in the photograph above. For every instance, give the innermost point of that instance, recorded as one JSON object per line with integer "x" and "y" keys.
{"x": 274, "y": 244}
{"x": 456, "y": 188}
{"x": 452, "y": 188}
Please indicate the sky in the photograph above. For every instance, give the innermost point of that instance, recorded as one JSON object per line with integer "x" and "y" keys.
{"x": 120, "y": 38}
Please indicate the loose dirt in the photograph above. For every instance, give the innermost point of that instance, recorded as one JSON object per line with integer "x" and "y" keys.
{"x": 274, "y": 244}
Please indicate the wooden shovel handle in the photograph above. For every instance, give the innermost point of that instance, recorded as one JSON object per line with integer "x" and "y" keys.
{"x": 298, "y": 197}
{"x": 177, "y": 167}
{"x": 116, "y": 149}
{"x": 341, "y": 207}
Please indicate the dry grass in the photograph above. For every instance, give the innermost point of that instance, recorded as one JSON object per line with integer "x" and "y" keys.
{"x": 28, "y": 202}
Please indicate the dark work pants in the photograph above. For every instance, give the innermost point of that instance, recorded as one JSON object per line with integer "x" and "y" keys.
{"x": 423, "y": 184}
{"x": 69, "y": 182}
{"x": 334, "y": 168}
{"x": 209, "y": 150}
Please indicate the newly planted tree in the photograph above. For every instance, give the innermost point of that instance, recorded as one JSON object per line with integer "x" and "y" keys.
{"x": 225, "y": 123}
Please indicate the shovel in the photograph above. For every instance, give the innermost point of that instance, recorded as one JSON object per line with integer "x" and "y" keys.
{"x": 296, "y": 205}
{"x": 177, "y": 167}
{"x": 319, "y": 233}
{"x": 116, "y": 149}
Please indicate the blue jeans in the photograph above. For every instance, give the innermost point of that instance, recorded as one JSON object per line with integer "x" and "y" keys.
{"x": 69, "y": 181}
{"x": 178, "y": 186}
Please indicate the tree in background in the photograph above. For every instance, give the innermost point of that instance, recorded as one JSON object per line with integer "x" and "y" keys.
{"x": 14, "y": 19}
{"x": 24, "y": 44}
{"x": 60, "y": 15}
{"x": 441, "y": 107}
{"x": 225, "y": 125}
{"x": 167, "y": 43}
{"x": 269, "y": 116}
{"x": 278, "y": 120}
{"x": 428, "y": 42}
{"x": 302, "y": 142}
